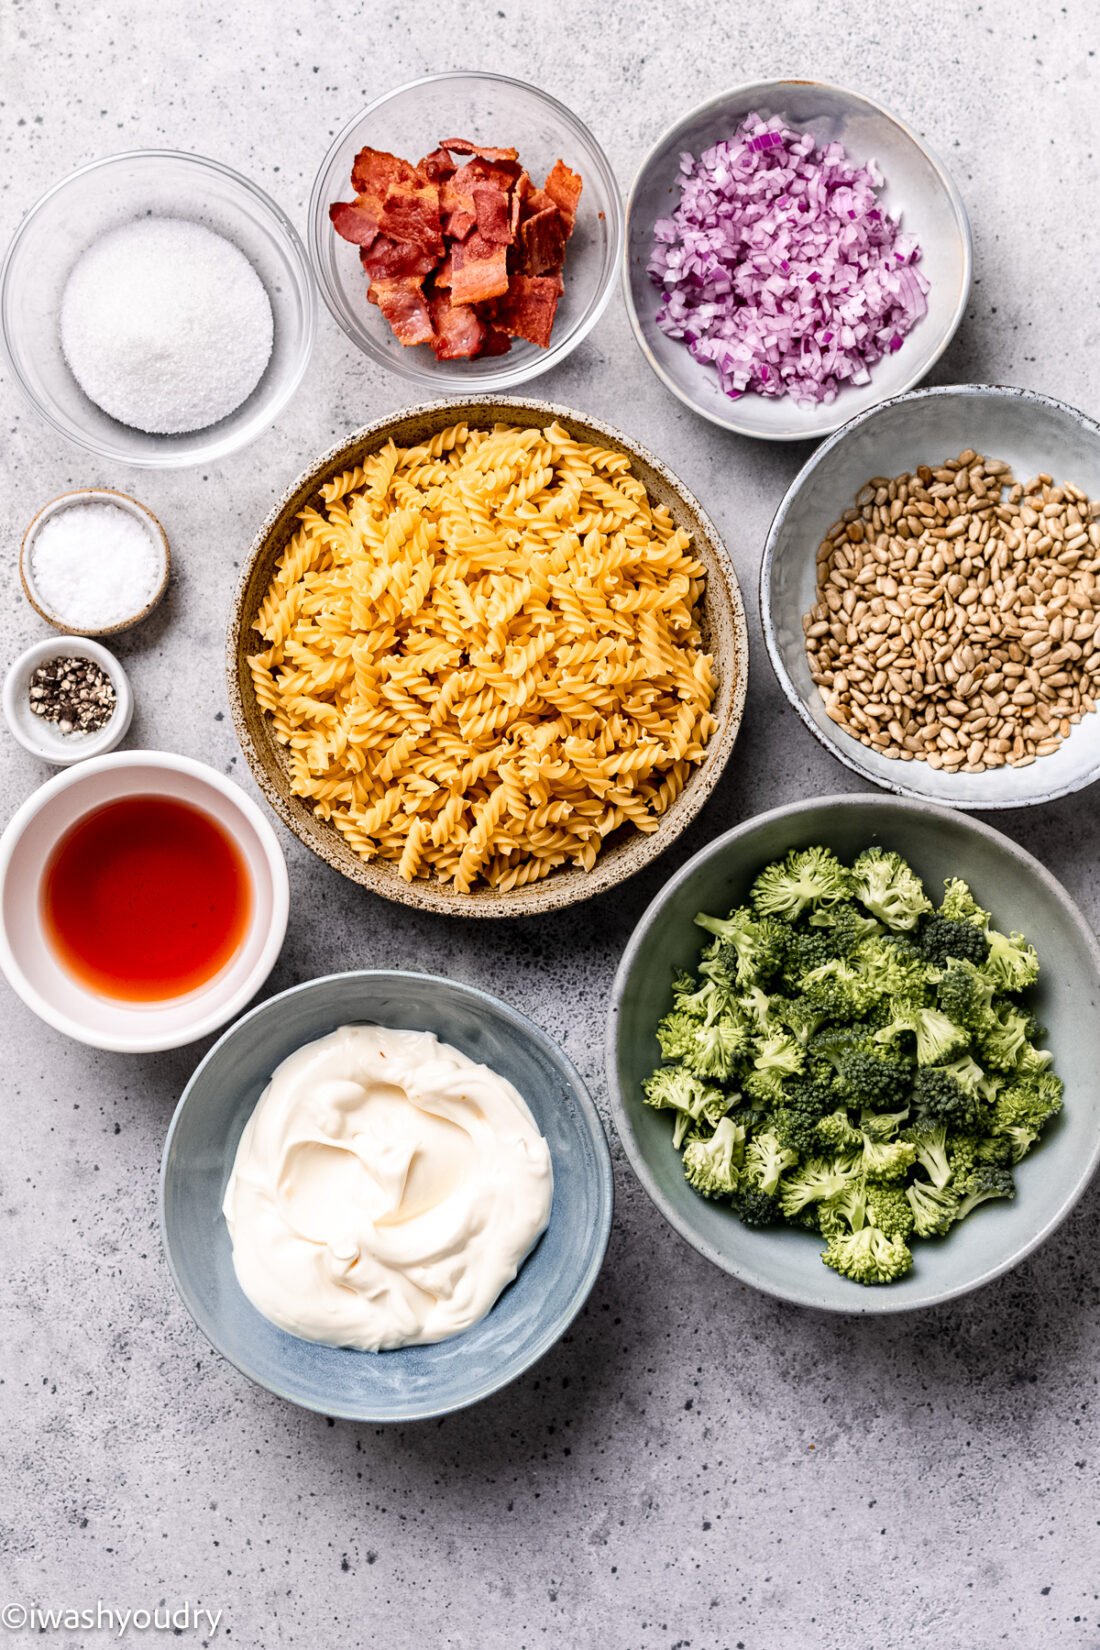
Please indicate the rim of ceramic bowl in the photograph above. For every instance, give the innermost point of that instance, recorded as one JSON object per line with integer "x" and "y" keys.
{"x": 555, "y": 353}
{"x": 820, "y": 456}
{"x": 558, "y": 1057}
{"x": 212, "y": 1017}
{"x": 877, "y": 1301}
{"x": 962, "y": 223}
{"x": 114, "y": 729}
{"x": 547, "y": 894}
{"x": 90, "y": 495}
{"x": 262, "y": 418}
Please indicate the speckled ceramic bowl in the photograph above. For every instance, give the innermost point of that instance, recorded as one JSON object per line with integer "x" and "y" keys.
{"x": 916, "y": 186}
{"x": 415, "y": 1382}
{"x": 1032, "y": 433}
{"x": 725, "y": 634}
{"x": 938, "y": 844}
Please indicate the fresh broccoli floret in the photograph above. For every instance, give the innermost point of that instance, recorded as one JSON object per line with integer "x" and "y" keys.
{"x": 758, "y": 1009}
{"x": 874, "y": 1081}
{"x": 832, "y": 1045}
{"x": 765, "y": 1161}
{"x": 707, "y": 1049}
{"x": 840, "y": 989}
{"x": 937, "y": 1036}
{"x": 930, "y": 1144}
{"x": 868, "y": 1256}
{"x": 941, "y": 1098}
{"x": 799, "y": 1016}
{"x": 813, "y": 877}
{"x": 934, "y": 1208}
{"x": 966, "y": 1070}
{"x": 882, "y": 1125}
{"x": 816, "y": 1181}
{"x": 962, "y": 1150}
{"x": 945, "y": 937}
{"x": 997, "y": 1150}
{"x": 959, "y": 905}
{"x": 711, "y": 1000}
{"x": 836, "y": 1134}
{"x": 1033, "y": 1065}
{"x": 1027, "y": 1104}
{"x": 755, "y": 946}
{"x": 756, "y": 1208}
{"x": 846, "y": 1210}
{"x": 713, "y": 1166}
{"x": 806, "y": 950}
{"x": 1004, "y": 1038}
{"x": 806, "y": 1100}
{"x": 1012, "y": 962}
{"x": 694, "y": 1101}
{"x": 889, "y": 888}
{"x": 893, "y": 970}
{"x": 887, "y": 1159}
{"x": 847, "y": 925}
{"x": 889, "y": 1209}
{"x": 1020, "y": 1141}
{"x": 966, "y": 994}
{"x": 980, "y": 1185}
{"x": 776, "y": 1057}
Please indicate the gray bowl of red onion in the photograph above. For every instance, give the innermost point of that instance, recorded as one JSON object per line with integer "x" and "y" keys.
{"x": 794, "y": 255}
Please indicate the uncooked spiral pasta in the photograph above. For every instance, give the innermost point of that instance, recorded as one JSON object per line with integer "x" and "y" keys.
{"x": 484, "y": 655}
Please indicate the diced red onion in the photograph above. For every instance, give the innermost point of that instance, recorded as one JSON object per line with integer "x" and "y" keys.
{"x": 779, "y": 269}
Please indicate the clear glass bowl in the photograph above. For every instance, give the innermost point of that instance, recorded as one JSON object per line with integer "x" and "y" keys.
{"x": 489, "y": 109}
{"x": 104, "y": 195}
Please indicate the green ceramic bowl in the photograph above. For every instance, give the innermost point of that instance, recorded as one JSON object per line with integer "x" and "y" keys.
{"x": 938, "y": 843}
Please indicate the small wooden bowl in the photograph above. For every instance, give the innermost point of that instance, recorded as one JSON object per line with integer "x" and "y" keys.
{"x": 92, "y": 495}
{"x": 724, "y": 631}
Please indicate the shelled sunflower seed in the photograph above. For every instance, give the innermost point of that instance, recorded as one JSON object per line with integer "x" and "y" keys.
{"x": 955, "y": 622}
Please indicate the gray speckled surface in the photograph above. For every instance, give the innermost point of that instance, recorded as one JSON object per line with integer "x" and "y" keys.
{"x": 695, "y": 1465}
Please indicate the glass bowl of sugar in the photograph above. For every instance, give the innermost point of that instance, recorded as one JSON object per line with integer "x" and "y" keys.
{"x": 157, "y": 308}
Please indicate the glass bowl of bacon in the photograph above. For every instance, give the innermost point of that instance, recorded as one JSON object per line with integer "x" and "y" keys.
{"x": 466, "y": 231}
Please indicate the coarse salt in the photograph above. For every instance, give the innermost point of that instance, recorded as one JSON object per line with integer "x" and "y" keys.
{"x": 166, "y": 325}
{"x": 94, "y": 565}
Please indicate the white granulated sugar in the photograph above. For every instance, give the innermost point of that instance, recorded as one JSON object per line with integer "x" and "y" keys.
{"x": 94, "y": 565}
{"x": 166, "y": 325}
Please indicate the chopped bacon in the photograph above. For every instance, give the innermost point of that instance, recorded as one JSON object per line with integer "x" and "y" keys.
{"x": 459, "y": 332}
{"x": 386, "y": 260}
{"x": 402, "y": 202}
{"x": 519, "y": 195}
{"x": 463, "y": 146}
{"x": 564, "y": 188}
{"x": 489, "y": 245}
{"x": 527, "y": 311}
{"x": 542, "y": 243}
{"x": 494, "y": 216}
{"x": 403, "y": 304}
{"x": 479, "y": 269}
{"x": 356, "y": 223}
{"x": 438, "y": 165}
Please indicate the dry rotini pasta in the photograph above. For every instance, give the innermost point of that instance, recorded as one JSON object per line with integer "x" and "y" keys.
{"x": 484, "y": 655}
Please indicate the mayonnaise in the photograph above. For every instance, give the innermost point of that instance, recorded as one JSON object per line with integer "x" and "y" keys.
{"x": 385, "y": 1190}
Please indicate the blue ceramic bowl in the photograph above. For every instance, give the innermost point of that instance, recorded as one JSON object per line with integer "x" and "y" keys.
{"x": 414, "y": 1382}
{"x": 938, "y": 843}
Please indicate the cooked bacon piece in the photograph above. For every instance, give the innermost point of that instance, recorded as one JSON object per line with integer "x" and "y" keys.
{"x": 495, "y": 343}
{"x": 443, "y": 274}
{"x": 542, "y": 243}
{"x": 528, "y": 309}
{"x": 519, "y": 196}
{"x": 386, "y": 260}
{"x": 479, "y": 269}
{"x": 463, "y": 146}
{"x": 537, "y": 201}
{"x": 564, "y": 188}
{"x": 403, "y": 304}
{"x": 401, "y": 202}
{"x": 459, "y": 332}
{"x": 357, "y": 224}
{"x": 438, "y": 165}
{"x": 494, "y": 215}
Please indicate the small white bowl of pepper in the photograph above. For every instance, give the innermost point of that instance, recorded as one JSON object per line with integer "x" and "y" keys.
{"x": 66, "y": 699}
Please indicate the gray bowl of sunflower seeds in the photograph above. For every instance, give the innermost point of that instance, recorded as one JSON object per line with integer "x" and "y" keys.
{"x": 927, "y": 596}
